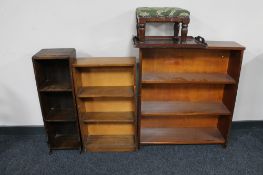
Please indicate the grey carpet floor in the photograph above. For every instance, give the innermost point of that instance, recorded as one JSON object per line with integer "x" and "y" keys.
{"x": 29, "y": 155}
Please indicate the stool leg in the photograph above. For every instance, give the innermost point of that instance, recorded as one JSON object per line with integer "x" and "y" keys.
{"x": 184, "y": 32}
{"x": 176, "y": 29}
{"x": 141, "y": 31}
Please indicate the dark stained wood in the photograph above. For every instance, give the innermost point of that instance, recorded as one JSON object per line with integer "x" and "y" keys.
{"x": 180, "y": 108}
{"x": 59, "y": 53}
{"x": 65, "y": 142}
{"x": 121, "y": 143}
{"x": 107, "y": 117}
{"x": 49, "y": 86}
{"x": 105, "y": 91}
{"x": 54, "y": 82}
{"x": 185, "y": 78}
{"x": 142, "y": 21}
{"x": 60, "y": 115}
{"x": 181, "y": 136}
{"x": 105, "y": 62}
{"x": 168, "y": 42}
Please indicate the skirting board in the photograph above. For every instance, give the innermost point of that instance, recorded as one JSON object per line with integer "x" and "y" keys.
{"x": 39, "y": 130}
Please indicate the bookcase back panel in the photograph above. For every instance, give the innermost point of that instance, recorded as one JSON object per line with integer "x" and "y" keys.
{"x": 109, "y": 105}
{"x": 182, "y": 92}
{"x": 109, "y": 129}
{"x": 107, "y": 76}
{"x": 62, "y": 129}
{"x": 56, "y": 71}
{"x": 185, "y": 60}
{"x": 179, "y": 121}
{"x": 62, "y": 100}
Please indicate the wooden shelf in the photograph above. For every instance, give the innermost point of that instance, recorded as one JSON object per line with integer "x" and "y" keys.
{"x": 65, "y": 142}
{"x": 60, "y": 115}
{"x": 107, "y": 117}
{"x": 49, "y": 86}
{"x": 182, "y": 108}
{"x": 105, "y": 62}
{"x": 106, "y": 91}
{"x": 181, "y": 136}
{"x": 187, "y": 78}
{"x": 110, "y": 143}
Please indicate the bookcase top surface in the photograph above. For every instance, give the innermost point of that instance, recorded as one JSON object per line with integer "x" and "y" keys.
{"x": 105, "y": 62}
{"x": 57, "y": 52}
{"x": 228, "y": 45}
{"x": 190, "y": 43}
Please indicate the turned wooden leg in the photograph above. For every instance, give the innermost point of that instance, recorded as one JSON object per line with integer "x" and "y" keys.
{"x": 141, "y": 31}
{"x": 184, "y": 32}
{"x": 176, "y": 29}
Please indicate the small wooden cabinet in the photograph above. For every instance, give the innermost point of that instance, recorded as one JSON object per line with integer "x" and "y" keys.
{"x": 106, "y": 99}
{"x": 187, "y": 95}
{"x": 56, "y": 94}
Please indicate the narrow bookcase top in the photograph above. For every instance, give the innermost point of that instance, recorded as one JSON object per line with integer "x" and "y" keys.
{"x": 105, "y": 62}
{"x": 51, "y": 53}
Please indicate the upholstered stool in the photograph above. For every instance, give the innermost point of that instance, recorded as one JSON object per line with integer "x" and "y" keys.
{"x": 162, "y": 14}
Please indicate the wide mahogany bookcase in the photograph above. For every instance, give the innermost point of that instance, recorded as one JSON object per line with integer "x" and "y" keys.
{"x": 55, "y": 87}
{"x": 106, "y": 98}
{"x": 187, "y": 95}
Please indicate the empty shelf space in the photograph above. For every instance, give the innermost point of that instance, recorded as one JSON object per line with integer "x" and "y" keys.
{"x": 106, "y": 91}
{"x": 65, "y": 142}
{"x": 181, "y": 136}
{"x": 60, "y": 115}
{"x": 107, "y": 117}
{"x": 187, "y": 78}
{"x": 111, "y": 143}
{"x": 49, "y": 86}
{"x": 182, "y": 108}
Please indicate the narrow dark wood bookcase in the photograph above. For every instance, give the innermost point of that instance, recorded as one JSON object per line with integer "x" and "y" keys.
{"x": 187, "y": 95}
{"x": 106, "y": 98}
{"x": 53, "y": 74}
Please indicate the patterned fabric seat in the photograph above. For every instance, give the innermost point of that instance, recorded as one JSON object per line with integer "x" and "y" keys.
{"x": 153, "y": 12}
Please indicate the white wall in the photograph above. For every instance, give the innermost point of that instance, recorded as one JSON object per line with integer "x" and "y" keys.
{"x": 105, "y": 28}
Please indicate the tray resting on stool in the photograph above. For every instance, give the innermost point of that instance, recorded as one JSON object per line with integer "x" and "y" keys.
{"x": 169, "y": 42}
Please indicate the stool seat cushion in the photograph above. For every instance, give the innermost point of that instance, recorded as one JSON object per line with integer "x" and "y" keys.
{"x": 157, "y": 12}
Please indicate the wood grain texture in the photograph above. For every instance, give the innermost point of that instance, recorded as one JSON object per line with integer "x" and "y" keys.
{"x": 187, "y": 78}
{"x": 185, "y": 60}
{"x": 49, "y": 86}
{"x": 109, "y": 76}
{"x": 173, "y": 108}
{"x": 59, "y": 53}
{"x": 181, "y": 136}
{"x": 182, "y": 92}
{"x": 107, "y": 117}
{"x": 106, "y": 91}
{"x": 54, "y": 82}
{"x": 108, "y": 105}
{"x": 109, "y": 129}
{"x": 184, "y": 121}
{"x": 105, "y": 62}
{"x": 60, "y": 115}
{"x": 110, "y": 143}
{"x": 189, "y": 93}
